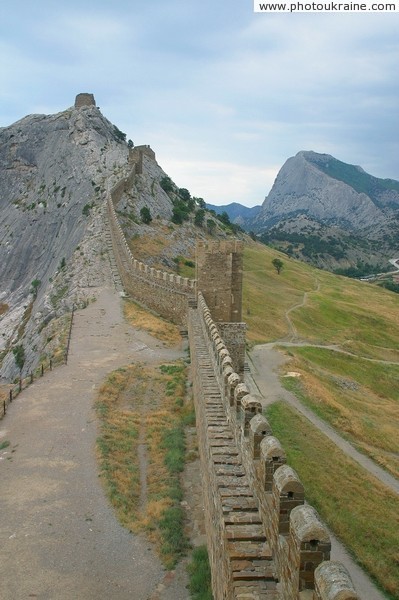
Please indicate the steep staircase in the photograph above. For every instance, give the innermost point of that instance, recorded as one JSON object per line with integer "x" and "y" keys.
{"x": 114, "y": 267}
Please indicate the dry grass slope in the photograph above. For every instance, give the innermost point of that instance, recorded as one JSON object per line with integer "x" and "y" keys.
{"x": 354, "y": 387}
{"x": 360, "y": 510}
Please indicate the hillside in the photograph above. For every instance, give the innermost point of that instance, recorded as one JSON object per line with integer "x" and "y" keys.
{"x": 55, "y": 171}
{"x": 337, "y": 339}
{"x": 328, "y": 213}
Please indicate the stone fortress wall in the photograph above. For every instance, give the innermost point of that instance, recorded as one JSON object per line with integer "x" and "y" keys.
{"x": 165, "y": 293}
{"x": 264, "y": 541}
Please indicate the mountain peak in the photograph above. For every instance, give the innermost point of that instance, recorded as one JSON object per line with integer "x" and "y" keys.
{"x": 318, "y": 195}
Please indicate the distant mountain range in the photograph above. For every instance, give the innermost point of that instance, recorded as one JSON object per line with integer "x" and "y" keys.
{"x": 327, "y": 212}
{"x": 238, "y": 213}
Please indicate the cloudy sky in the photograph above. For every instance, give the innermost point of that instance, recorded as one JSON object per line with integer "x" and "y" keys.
{"x": 222, "y": 94}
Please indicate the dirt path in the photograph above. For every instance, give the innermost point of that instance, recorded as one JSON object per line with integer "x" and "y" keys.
{"x": 263, "y": 379}
{"x": 292, "y": 330}
{"x": 59, "y": 538}
{"x": 264, "y": 363}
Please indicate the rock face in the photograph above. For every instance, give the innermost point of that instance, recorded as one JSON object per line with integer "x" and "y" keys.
{"x": 331, "y": 192}
{"x": 53, "y": 174}
{"x": 318, "y": 195}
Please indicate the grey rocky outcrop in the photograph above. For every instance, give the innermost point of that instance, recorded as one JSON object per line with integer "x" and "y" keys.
{"x": 54, "y": 171}
{"x": 304, "y": 185}
{"x": 351, "y": 215}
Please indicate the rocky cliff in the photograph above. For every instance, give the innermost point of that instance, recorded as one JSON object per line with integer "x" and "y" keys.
{"x": 53, "y": 174}
{"x": 330, "y": 213}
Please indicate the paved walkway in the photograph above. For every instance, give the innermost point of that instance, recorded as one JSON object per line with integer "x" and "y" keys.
{"x": 59, "y": 538}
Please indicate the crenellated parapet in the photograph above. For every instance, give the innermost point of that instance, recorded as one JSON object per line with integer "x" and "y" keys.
{"x": 165, "y": 293}
{"x": 295, "y": 540}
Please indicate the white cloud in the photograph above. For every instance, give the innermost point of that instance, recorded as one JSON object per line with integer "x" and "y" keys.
{"x": 223, "y": 96}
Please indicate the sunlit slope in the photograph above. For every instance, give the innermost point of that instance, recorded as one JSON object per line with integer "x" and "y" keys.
{"x": 360, "y": 317}
{"x": 353, "y": 381}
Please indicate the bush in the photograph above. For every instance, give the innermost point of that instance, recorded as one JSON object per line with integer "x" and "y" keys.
{"x": 19, "y": 356}
{"x": 199, "y": 217}
{"x": 166, "y": 184}
{"x": 145, "y": 215}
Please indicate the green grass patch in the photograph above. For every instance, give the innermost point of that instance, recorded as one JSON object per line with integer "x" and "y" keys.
{"x": 200, "y": 584}
{"x": 357, "y": 397}
{"x": 138, "y": 405}
{"x": 361, "y": 317}
{"x": 4, "y": 444}
{"x": 362, "y": 512}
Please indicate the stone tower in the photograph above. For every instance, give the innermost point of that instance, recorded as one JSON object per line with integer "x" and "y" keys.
{"x": 219, "y": 279}
{"x": 84, "y": 100}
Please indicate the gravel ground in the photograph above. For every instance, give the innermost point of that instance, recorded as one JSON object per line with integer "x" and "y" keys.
{"x": 59, "y": 538}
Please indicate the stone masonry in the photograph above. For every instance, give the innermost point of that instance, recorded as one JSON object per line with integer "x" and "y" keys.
{"x": 264, "y": 542}
{"x": 84, "y": 100}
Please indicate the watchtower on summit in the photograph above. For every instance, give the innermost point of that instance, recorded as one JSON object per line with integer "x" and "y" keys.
{"x": 84, "y": 100}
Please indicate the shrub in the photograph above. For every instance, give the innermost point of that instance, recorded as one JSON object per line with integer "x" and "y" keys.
{"x": 145, "y": 215}
{"x": 166, "y": 184}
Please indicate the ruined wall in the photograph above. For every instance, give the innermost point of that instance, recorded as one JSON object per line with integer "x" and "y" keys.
{"x": 136, "y": 156}
{"x": 252, "y": 497}
{"x": 84, "y": 100}
{"x": 165, "y": 293}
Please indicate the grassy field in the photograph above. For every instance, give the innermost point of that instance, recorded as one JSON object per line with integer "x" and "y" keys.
{"x": 142, "y": 319}
{"x": 353, "y": 386}
{"x": 358, "y": 398}
{"x": 355, "y": 390}
{"x": 358, "y": 316}
{"x": 141, "y": 449}
{"x": 360, "y": 510}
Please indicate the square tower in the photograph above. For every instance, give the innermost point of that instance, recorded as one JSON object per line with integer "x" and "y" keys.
{"x": 219, "y": 278}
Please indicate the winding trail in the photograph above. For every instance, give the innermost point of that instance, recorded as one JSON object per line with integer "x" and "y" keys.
{"x": 263, "y": 380}
{"x": 59, "y": 537}
{"x": 292, "y": 330}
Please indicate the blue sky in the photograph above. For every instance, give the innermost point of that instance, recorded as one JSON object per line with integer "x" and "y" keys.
{"x": 223, "y": 95}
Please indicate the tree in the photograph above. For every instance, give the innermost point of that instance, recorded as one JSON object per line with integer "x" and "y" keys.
{"x": 145, "y": 215}
{"x": 130, "y": 144}
{"x": 35, "y": 286}
{"x": 224, "y": 218}
{"x": 211, "y": 225}
{"x": 199, "y": 217}
{"x": 19, "y": 356}
{"x": 278, "y": 265}
{"x": 184, "y": 194}
{"x": 166, "y": 184}
{"x": 200, "y": 201}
